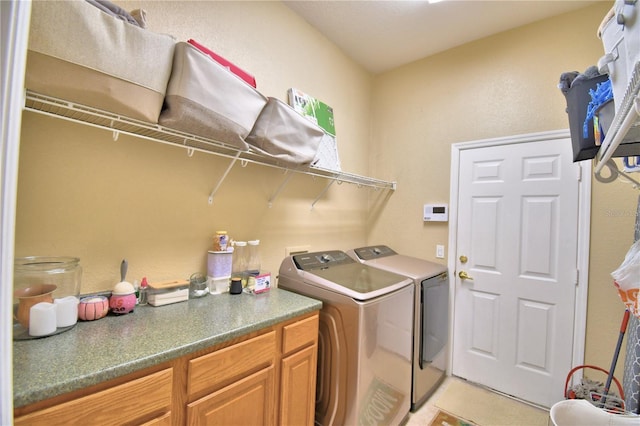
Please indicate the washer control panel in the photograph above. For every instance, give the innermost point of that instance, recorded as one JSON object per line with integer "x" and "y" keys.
{"x": 321, "y": 259}
{"x": 373, "y": 252}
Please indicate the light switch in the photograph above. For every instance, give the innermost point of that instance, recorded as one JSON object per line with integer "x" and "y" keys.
{"x": 440, "y": 251}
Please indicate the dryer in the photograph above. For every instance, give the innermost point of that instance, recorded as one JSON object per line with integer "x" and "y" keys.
{"x": 365, "y": 337}
{"x": 431, "y": 307}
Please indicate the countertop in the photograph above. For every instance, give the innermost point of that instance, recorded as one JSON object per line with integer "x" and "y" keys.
{"x": 95, "y": 351}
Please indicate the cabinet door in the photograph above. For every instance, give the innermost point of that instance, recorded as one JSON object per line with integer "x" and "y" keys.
{"x": 249, "y": 401}
{"x": 211, "y": 372}
{"x": 138, "y": 400}
{"x": 297, "y": 406}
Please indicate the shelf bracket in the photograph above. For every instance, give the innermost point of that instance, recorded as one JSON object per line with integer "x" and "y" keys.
{"x": 116, "y": 135}
{"x": 190, "y": 150}
{"x": 224, "y": 176}
{"x": 326, "y": 188}
{"x": 280, "y": 188}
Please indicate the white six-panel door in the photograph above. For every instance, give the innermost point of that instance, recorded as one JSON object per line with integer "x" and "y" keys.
{"x": 517, "y": 232}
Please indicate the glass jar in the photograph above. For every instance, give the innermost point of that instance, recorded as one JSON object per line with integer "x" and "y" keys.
{"x": 42, "y": 279}
{"x": 63, "y": 272}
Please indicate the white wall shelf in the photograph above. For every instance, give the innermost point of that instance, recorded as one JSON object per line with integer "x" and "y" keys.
{"x": 118, "y": 124}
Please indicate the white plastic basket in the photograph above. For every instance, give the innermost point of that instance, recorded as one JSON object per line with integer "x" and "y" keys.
{"x": 572, "y": 412}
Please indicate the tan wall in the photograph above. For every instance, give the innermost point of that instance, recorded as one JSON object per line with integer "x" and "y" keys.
{"x": 82, "y": 194}
{"x": 499, "y": 86}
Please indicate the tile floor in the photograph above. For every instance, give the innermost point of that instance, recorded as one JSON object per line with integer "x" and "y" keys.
{"x": 428, "y": 411}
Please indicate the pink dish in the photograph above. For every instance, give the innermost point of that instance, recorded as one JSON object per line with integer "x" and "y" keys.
{"x": 93, "y": 308}
{"x": 121, "y": 304}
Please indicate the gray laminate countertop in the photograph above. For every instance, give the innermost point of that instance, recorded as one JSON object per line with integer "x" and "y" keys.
{"x": 95, "y": 351}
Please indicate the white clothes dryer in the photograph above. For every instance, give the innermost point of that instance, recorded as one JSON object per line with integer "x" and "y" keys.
{"x": 365, "y": 337}
{"x": 431, "y": 307}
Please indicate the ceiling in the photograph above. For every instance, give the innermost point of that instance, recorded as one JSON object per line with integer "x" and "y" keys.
{"x": 382, "y": 35}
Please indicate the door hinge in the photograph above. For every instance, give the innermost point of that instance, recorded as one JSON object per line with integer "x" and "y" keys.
{"x": 577, "y": 276}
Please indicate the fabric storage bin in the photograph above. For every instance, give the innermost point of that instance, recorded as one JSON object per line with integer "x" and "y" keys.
{"x": 284, "y": 135}
{"x": 206, "y": 99}
{"x": 248, "y": 78}
{"x": 80, "y": 54}
{"x": 578, "y": 98}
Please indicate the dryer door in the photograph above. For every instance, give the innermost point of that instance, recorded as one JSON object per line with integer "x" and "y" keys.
{"x": 434, "y": 316}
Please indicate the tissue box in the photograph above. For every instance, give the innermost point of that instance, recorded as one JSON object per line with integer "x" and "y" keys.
{"x": 260, "y": 283}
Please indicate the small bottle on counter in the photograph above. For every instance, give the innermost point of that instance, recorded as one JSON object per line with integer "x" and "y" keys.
{"x": 136, "y": 287}
{"x": 143, "y": 299}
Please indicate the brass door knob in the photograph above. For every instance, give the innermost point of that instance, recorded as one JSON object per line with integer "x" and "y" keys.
{"x": 463, "y": 275}
{"x": 463, "y": 259}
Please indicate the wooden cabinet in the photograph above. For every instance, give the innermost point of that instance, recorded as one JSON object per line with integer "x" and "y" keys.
{"x": 147, "y": 399}
{"x": 238, "y": 384}
{"x": 265, "y": 378}
{"x": 246, "y": 402}
{"x": 298, "y": 372}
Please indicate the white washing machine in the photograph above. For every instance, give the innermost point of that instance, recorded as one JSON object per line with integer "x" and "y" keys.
{"x": 431, "y": 307}
{"x": 365, "y": 337}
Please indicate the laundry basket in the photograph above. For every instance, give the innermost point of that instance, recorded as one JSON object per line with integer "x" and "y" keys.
{"x": 572, "y": 412}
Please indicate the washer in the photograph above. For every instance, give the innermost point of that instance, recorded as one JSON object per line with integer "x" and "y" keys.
{"x": 365, "y": 337}
{"x": 431, "y": 309}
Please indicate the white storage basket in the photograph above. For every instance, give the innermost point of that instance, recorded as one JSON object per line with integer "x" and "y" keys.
{"x": 206, "y": 99}
{"x": 81, "y": 54}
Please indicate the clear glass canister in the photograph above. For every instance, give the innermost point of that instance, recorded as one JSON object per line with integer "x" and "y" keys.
{"x": 63, "y": 272}
{"x": 253, "y": 264}
{"x": 43, "y": 279}
{"x": 239, "y": 261}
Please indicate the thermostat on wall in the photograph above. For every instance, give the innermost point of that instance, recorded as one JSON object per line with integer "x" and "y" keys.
{"x": 436, "y": 213}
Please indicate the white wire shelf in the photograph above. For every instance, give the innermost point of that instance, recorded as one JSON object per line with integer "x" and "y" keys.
{"x": 625, "y": 127}
{"x": 118, "y": 124}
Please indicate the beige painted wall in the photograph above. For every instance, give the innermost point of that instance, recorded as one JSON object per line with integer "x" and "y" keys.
{"x": 82, "y": 194}
{"x": 500, "y": 86}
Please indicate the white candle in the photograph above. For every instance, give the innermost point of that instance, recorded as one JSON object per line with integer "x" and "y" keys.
{"x": 42, "y": 319}
{"x": 66, "y": 311}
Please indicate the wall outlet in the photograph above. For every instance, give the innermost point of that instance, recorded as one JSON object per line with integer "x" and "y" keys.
{"x": 440, "y": 251}
{"x": 291, "y": 251}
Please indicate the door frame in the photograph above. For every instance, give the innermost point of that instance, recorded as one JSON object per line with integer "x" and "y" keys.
{"x": 13, "y": 50}
{"x": 584, "y": 228}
